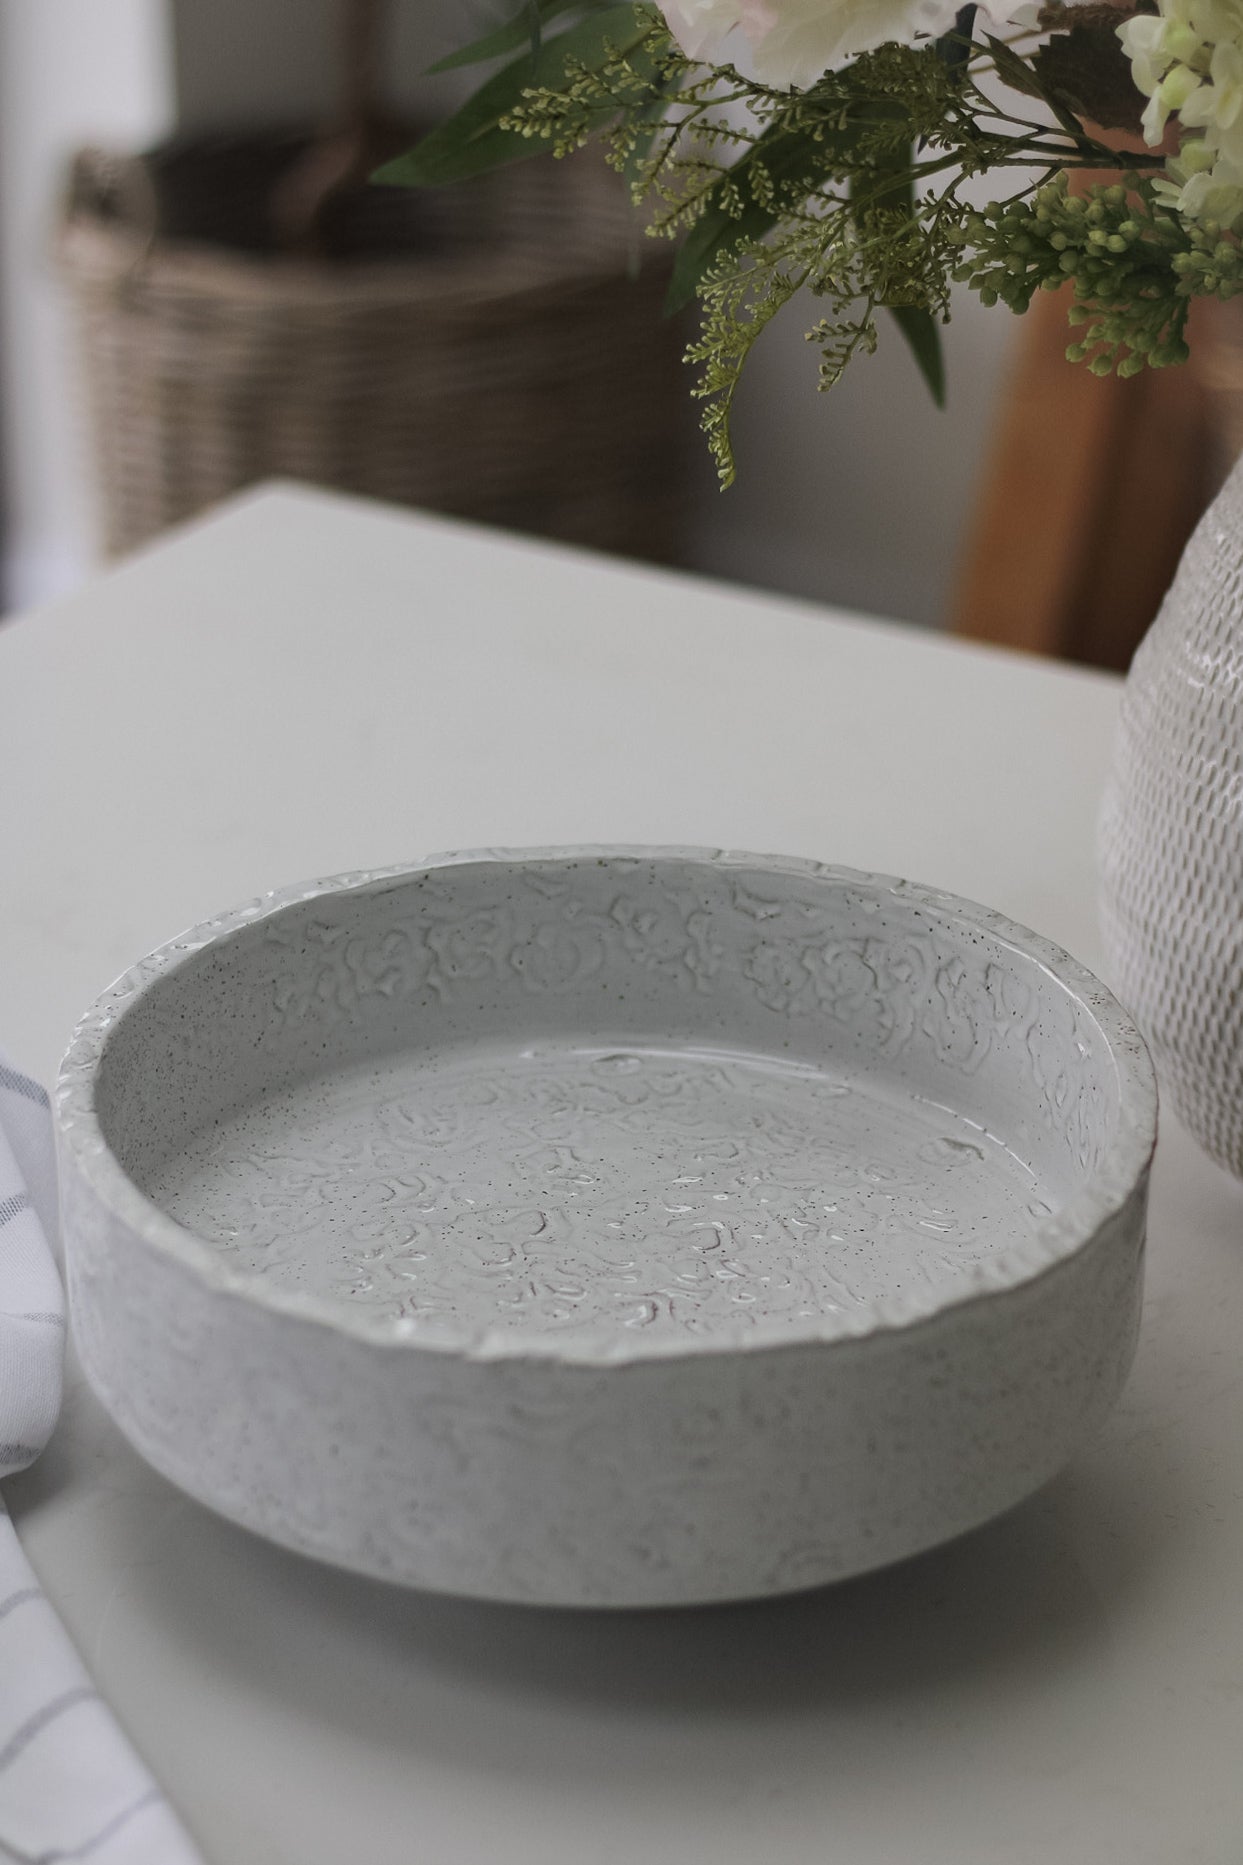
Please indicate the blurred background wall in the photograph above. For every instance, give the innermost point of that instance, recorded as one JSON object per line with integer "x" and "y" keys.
{"x": 70, "y": 71}
{"x": 860, "y": 497}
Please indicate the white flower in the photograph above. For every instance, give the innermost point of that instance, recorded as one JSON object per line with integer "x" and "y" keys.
{"x": 794, "y": 41}
{"x": 1177, "y": 91}
{"x": 1215, "y": 193}
{"x": 1143, "y": 41}
{"x": 1217, "y": 21}
{"x": 1226, "y": 72}
{"x": 1188, "y": 61}
{"x": 789, "y": 44}
{"x": 703, "y": 27}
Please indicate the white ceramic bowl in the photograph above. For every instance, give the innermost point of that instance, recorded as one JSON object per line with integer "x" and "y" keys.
{"x": 607, "y": 1226}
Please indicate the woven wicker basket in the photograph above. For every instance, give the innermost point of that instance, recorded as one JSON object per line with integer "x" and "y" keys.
{"x": 513, "y": 366}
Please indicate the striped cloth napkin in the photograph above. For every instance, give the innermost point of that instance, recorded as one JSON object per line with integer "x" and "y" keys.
{"x": 71, "y": 1787}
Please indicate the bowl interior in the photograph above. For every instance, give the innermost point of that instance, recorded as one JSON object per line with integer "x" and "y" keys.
{"x": 647, "y": 1095}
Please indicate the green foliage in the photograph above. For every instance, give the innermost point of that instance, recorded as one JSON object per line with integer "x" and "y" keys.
{"x": 851, "y": 193}
{"x": 923, "y": 339}
{"x": 1134, "y": 264}
{"x": 1082, "y": 64}
{"x": 741, "y": 204}
{"x": 477, "y": 138}
{"x": 608, "y": 82}
{"x": 526, "y": 28}
{"x": 821, "y": 200}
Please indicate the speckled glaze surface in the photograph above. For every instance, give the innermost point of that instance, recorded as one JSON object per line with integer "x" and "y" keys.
{"x": 604, "y": 1226}
{"x": 1172, "y": 835}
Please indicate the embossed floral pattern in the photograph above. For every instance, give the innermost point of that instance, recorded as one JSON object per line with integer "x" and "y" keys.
{"x": 673, "y": 936}
{"x": 335, "y": 969}
{"x": 679, "y": 1191}
{"x": 561, "y": 954}
{"x": 563, "y": 1188}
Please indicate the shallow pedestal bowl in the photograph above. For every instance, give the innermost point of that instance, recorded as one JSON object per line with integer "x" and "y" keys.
{"x": 604, "y": 1226}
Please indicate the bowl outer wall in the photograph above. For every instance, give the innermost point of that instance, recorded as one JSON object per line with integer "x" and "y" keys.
{"x": 670, "y": 1480}
{"x": 652, "y": 1483}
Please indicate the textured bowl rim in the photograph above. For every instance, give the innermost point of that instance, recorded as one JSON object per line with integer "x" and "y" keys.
{"x": 1053, "y": 1240}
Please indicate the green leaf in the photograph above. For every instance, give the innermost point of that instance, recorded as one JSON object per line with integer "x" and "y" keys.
{"x": 1083, "y": 67}
{"x": 780, "y": 153}
{"x": 888, "y": 187}
{"x": 953, "y": 48}
{"x": 915, "y": 321}
{"x": 923, "y": 336}
{"x": 524, "y": 29}
{"x": 784, "y": 156}
{"x": 648, "y": 117}
{"x": 471, "y": 141}
{"x": 1016, "y": 72}
{"x": 1020, "y": 76}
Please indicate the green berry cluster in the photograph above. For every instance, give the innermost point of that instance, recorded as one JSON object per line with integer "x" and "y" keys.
{"x": 1134, "y": 266}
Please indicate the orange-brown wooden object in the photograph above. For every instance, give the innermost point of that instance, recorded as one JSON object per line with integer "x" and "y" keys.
{"x": 1092, "y": 489}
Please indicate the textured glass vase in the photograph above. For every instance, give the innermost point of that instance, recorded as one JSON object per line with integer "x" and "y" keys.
{"x": 1172, "y": 835}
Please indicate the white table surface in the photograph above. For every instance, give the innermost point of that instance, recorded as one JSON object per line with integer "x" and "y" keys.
{"x": 305, "y": 684}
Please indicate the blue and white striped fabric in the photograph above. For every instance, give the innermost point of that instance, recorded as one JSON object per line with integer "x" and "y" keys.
{"x": 71, "y": 1787}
